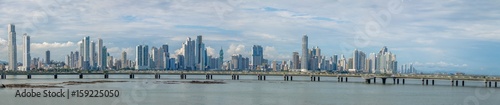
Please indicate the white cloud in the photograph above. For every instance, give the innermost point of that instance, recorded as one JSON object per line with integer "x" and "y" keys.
{"x": 46, "y": 45}
{"x": 211, "y": 51}
{"x": 423, "y": 41}
{"x": 237, "y": 49}
{"x": 3, "y": 42}
{"x": 271, "y": 53}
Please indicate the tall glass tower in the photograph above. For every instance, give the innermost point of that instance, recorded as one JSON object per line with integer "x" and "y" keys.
{"x": 11, "y": 31}
{"x": 305, "y": 54}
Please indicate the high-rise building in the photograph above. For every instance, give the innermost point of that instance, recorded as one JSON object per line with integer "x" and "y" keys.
{"x": 104, "y": 58}
{"x": 305, "y": 52}
{"x": 166, "y": 57}
{"x": 100, "y": 54}
{"x": 26, "y": 53}
{"x": 221, "y": 58}
{"x": 11, "y": 31}
{"x": 142, "y": 57}
{"x": 47, "y": 57}
{"x": 257, "y": 56}
{"x": 296, "y": 61}
{"x": 189, "y": 54}
{"x": 92, "y": 55}
{"x": 386, "y": 62}
{"x": 199, "y": 50}
{"x": 86, "y": 53}
{"x": 124, "y": 60}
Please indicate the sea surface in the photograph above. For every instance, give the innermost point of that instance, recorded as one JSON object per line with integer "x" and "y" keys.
{"x": 170, "y": 90}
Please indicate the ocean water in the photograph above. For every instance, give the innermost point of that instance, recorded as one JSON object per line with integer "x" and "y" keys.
{"x": 144, "y": 89}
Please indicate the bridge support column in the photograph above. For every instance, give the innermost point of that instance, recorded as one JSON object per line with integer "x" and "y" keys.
{"x": 106, "y": 76}
{"x": 432, "y": 82}
{"x": 485, "y": 83}
{"x": 403, "y": 81}
{"x": 157, "y": 76}
{"x": 397, "y": 80}
{"x": 131, "y": 76}
{"x": 495, "y": 83}
{"x": 259, "y": 77}
{"x": 285, "y": 78}
{"x": 55, "y": 76}
{"x": 452, "y": 81}
{"x": 264, "y": 77}
{"x": 183, "y": 76}
{"x": 28, "y": 76}
{"x": 3, "y": 76}
{"x": 237, "y": 77}
{"x": 463, "y": 83}
{"x": 345, "y": 79}
{"x": 319, "y": 78}
{"x": 208, "y": 76}
{"x": 211, "y": 76}
{"x": 80, "y": 76}
{"x": 341, "y": 79}
{"x": 456, "y": 83}
{"x": 426, "y": 82}
{"x": 367, "y": 81}
{"x": 291, "y": 78}
{"x": 490, "y": 82}
{"x": 374, "y": 80}
{"x": 383, "y": 80}
{"x": 423, "y": 81}
{"x": 393, "y": 80}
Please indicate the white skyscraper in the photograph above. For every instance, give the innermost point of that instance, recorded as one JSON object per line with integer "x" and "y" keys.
{"x": 305, "y": 54}
{"x": 26, "y": 52}
{"x": 100, "y": 55}
{"x": 11, "y": 31}
{"x": 92, "y": 55}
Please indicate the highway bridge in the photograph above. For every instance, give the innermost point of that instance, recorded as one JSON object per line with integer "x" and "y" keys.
{"x": 287, "y": 76}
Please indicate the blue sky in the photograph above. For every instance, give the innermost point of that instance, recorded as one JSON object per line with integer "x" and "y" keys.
{"x": 446, "y": 36}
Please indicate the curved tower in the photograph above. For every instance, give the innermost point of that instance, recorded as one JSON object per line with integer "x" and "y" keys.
{"x": 305, "y": 54}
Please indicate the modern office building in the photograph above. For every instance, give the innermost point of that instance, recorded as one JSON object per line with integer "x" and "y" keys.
{"x": 100, "y": 55}
{"x": 295, "y": 61}
{"x": 189, "y": 54}
{"x": 142, "y": 57}
{"x": 47, "y": 57}
{"x": 305, "y": 52}
{"x": 11, "y": 31}
{"x": 257, "y": 56}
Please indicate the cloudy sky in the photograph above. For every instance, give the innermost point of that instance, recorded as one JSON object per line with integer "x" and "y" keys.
{"x": 442, "y": 36}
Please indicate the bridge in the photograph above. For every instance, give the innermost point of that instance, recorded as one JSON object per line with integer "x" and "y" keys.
{"x": 287, "y": 76}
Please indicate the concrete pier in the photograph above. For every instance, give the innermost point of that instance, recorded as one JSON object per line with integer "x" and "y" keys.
{"x": 383, "y": 80}
{"x": 3, "y": 76}
{"x": 345, "y": 79}
{"x": 463, "y": 83}
{"x": 367, "y": 81}
{"x": 106, "y": 76}
{"x": 397, "y": 81}
{"x": 426, "y": 82}
{"x": 28, "y": 76}
{"x": 80, "y": 76}
{"x": 55, "y": 76}
{"x": 456, "y": 83}
{"x": 432, "y": 82}
{"x": 403, "y": 81}
{"x": 131, "y": 76}
{"x": 375, "y": 80}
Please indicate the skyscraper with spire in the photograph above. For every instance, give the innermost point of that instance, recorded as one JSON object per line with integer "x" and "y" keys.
{"x": 11, "y": 31}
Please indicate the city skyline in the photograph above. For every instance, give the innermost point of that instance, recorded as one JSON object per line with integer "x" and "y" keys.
{"x": 452, "y": 49}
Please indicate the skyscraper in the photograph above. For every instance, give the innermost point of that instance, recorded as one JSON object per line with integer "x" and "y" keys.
{"x": 11, "y": 31}
{"x": 221, "y": 58}
{"x": 295, "y": 61}
{"x": 104, "y": 58}
{"x": 92, "y": 55}
{"x": 100, "y": 54}
{"x": 189, "y": 54}
{"x": 257, "y": 56}
{"x": 47, "y": 57}
{"x": 86, "y": 53}
{"x": 26, "y": 52}
{"x": 124, "y": 60}
{"x": 305, "y": 52}
{"x": 199, "y": 50}
{"x": 142, "y": 57}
